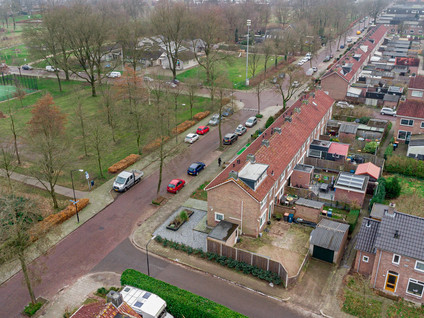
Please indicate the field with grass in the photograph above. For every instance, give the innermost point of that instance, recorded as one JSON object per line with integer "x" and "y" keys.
{"x": 232, "y": 66}
{"x": 411, "y": 199}
{"x": 93, "y": 109}
{"x": 16, "y": 55}
{"x": 12, "y": 36}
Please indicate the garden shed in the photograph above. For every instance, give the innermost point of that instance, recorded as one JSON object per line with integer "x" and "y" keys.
{"x": 328, "y": 241}
{"x": 225, "y": 233}
{"x": 309, "y": 210}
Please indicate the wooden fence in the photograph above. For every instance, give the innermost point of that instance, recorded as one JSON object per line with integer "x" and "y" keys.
{"x": 337, "y": 166}
{"x": 254, "y": 259}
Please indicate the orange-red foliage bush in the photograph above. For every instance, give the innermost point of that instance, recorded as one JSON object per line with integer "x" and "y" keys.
{"x": 154, "y": 144}
{"x": 201, "y": 115}
{"x": 184, "y": 126}
{"x": 124, "y": 163}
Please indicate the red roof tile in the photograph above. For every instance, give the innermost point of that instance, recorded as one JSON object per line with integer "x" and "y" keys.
{"x": 411, "y": 108}
{"x": 282, "y": 147}
{"x": 89, "y": 311}
{"x": 339, "y": 149}
{"x": 376, "y": 36}
{"x": 368, "y": 168}
{"x": 417, "y": 82}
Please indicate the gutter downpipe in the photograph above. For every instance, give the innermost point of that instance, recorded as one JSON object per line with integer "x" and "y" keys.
{"x": 378, "y": 267}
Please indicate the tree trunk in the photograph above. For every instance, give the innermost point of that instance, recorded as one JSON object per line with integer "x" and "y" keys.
{"x": 160, "y": 166}
{"x": 58, "y": 81}
{"x": 191, "y": 107}
{"x": 284, "y": 104}
{"x": 83, "y": 136}
{"x": 53, "y": 195}
{"x": 15, "y": 137}
{"x": 259, "y": 98}
{"x": 138, "y": 144}
{"x": 26, "y": 276}
{"x": 93, "y": 88}
{"x": 99, "y": 162}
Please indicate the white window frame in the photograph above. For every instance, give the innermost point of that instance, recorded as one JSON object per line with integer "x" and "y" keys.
{"x": 406, "y": 133}
{"x": 283, "y": 175}
{"x": 219, "y": 214}
{"x": 415, "y": 93}
{"x": 415, "y": 282}
{"x": 422, "y": 124}
{"x": 418, "y": 269}
{"x": 365, "y": 259}
{"x": 393, "y": 259}
{"x": 409, "y": 124}
{"x": 262, "y": 219}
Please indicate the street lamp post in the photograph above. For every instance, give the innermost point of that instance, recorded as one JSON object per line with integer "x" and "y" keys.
{"x": 249, "y": 22}
{"x": 147, "y": 254}
{"x": 74, "y": 202}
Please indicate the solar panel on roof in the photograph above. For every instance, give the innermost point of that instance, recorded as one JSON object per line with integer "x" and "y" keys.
{"x": 138, "y": 304}
{"x": 146, "y": 295}
{"x": 350, "y": 181}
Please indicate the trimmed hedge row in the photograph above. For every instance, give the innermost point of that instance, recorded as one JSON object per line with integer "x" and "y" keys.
{"x": 229, "y": 262}
{"x": 124, "y": 163}
{"x": 352, "y": 219}
{"x": 180, "y": 303}
{"x": 154, "y": 144}
{"x": 405, "y": 166}
{"x": 379, "y": 193}
{"x": 201, "y": 115}
{"x": 184, "y": 126}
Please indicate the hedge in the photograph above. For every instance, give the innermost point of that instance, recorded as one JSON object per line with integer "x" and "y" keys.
{"x": 405, "y": 166}
{"x": 379, "y": 193}
{"x": 154, "y": 144}
{"x": 184, "y": 126}
{"x": 229, "y": 262}
{"x": 124, "y": 163}
{"x": 269, "y": 121}
{"x": 180, "y": 303}
{"x": 31, "y": 308}
{"x": 201, "y": 115}
{"x": 352, "y": 219}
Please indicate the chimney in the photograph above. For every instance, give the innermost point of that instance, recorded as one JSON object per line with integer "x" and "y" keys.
{"x": 389, "y": 211}
{"x": 233, "y": 174}
{"x": 251, "y": 158}
{"x": 289, "y": 119}
{"x": 396, "y": 234}
{"x": 297, "y": 110}
{"x": 265, "y": 142}
{"x": 115, "y": 298}
{"x": 277, "y": 129}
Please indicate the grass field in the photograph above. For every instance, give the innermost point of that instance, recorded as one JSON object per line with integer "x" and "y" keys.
{"x": 232, "y": 66}
{"x": 17, "y": 55}
{"x": 94, "y": 110}
{"x": 411, "y": 199}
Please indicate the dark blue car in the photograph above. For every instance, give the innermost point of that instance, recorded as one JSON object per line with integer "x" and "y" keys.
{"x": 195, "y": 168}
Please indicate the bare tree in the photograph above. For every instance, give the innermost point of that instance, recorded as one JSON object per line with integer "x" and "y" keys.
{"x": 222, "y": 91}
{"x": 8, "y": 163}
{"x": 288, "y": 86}
{"x": 176, "y": 92}
{"x": 80, "y": 116}
{"x": 129, "y": 34}
{"x": 14, "y": 131}
{"x": 267, "y": 50}
{"x": 169, "y": 22}
{"x": 99, "y": 141}
{"x": 254, "y": 59}
{"x": 192, "y": 86}
{"x": 108, "y": 101}
{"x": 260, "y": 87}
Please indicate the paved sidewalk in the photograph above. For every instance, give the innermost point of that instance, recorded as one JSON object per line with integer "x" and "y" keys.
{"x": 36, "y": 183}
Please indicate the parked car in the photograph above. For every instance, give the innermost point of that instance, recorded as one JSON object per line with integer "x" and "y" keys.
{"x": 309, "y": 72}
{"x": 176, "y": 82}
{"x": 27, "y": 67}
{"x": 314, "y": 69}
{"x": 342, "y": 46}
{"x": 172, "y": 84}
{"x": 309, "y": 55}
{"x": 113, "y": 74}
{"x": 295, "y": 84}
{"x": 349, "y": 40}
{"x": 202, "y": 130}
{"x": 274, "y": 80}
{"x": 191, "y": 138}
{"x": 300, "y": 63}
{"x": 227, "y": 112}
{"x": 343, "y": 104}
{"x": 195, "y": 168}
{"x": 175, "y": 185}
{"x": 230, "y": 138}
{"x": 126, "y": 179}
{"x": 214, "y": 120}
{"x": 281, "y": 75}
{"x": 388, "y": 111}
{"x": 147, "y": 79}
{"x": 240, "y": 130}
{"x": 252, "y": 121}
{"x": 327, "y": 58}
{"x": 50, "y": 68}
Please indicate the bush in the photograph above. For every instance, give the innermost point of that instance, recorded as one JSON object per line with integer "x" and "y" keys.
{"x": 184, "y": 126}
{"x": 379, "y": 193}
{"x": 352, "y": 219}
{"x": 201, "y": 115}
{"x": 124, "y": 163}
{"x": 370, "y": 147}
{"x": 269, "y": 121}
{"x": 154, "y": 144}
{"x": 180, "y": 303}
{"x": 259, "y": 115}
{"x": 388, "y": 152}
{"x": 364, "y": 120}
{"x": 31, "y": 308}
{"x": 393, "y": 188}
{"x": 405, "y": 166}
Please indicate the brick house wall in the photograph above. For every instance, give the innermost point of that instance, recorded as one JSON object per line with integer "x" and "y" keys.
{"x": 339, "y": 254}
{"x": 362, "y": 267}
{"x": 405, "y": 269}
{"x": 416, "y": 92}
{"x": 415, "y": 129}
{"x": 227, "y": 199}
{"x": 300, "y": 179}
{"x": 335, "y": 86}
{"x": 349, "y": 197}
{"x": 308, "y": 213}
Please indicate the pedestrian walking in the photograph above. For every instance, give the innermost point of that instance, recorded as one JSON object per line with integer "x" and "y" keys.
{"x": 219, "y": 162}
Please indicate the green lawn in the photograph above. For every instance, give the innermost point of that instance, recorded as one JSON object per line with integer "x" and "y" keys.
{"x": 233, "y": 66}
{"x": 15, "y": 56}
{"x": 125, "y": 138}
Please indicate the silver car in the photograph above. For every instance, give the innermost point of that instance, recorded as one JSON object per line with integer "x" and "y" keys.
{"x": 252, "y": 121}
{"x": 214, "y": 120}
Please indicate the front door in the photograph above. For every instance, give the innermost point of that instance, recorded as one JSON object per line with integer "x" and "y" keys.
{"x": 391, "y": 281}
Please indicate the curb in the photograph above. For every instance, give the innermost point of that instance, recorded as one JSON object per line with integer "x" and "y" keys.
{"x": 322, "y": 314}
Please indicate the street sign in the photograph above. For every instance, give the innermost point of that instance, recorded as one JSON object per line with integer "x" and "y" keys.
{"x": 86, "y": 175}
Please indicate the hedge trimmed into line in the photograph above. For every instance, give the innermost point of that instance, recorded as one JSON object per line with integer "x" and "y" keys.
{"x": 124, "y": 163}
{"x": 180, "y": 303}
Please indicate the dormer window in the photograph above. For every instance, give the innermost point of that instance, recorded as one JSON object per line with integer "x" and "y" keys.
{"x": 253, "y": 174}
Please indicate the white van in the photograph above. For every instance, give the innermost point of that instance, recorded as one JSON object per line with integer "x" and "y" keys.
{"x": 50, "y": 68}
{"x": 113, "y": 74}
{"x": 388, "y": 111}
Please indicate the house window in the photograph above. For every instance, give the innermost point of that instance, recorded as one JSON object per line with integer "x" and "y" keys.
{"x": 219, "y": 216}
{"x": 402, "y": 135}
{"x": 415, "y": 287}
{"x": 365, "y": 259}
{"x": 407, "y": 122}
{"x": 396, "y": 259}
{"x": 419, "y": 266}
{"x": 422, "y": 124}
{"x": 262, "y": 219}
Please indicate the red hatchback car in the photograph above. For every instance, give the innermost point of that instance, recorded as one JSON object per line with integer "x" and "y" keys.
{"x": 175, "y": 185}
{"x": 202, "y": 130}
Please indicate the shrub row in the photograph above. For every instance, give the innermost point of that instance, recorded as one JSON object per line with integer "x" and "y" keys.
{"x": 154, "y": 144}
{"x": 124, "y": 163}
{"x": 379, "y": 193}
{"x": 31, "y": 309}
{"x": 224, "y": 261}
{"x": 180, "y": 303}
{"x": 184, "y": 126}
{"x": 201, "y": 115}
{"x": 352, "y": 219}
{"x": 62, "y": 216}
{"x": 404, "y": 165}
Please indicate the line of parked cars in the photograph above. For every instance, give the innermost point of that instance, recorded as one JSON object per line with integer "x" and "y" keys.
{"x": 307, "y": 57}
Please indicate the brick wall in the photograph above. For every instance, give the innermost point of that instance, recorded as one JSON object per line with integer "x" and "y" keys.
{"x": 307, "y": 213}
{"x": 409, "y": 94}
{"x": 300, "y": 179}
{"x": 415, "y": 129}
{"x": 346, "y": 138}
{"x": 339, "y": 254}
{"x": 335, "y": 86}
{"x": 349, "y": 197}
{"x": 405, "y": 269}
{"x": 362, "y": 267}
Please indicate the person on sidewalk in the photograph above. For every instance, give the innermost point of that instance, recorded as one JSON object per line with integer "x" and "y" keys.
{"x": 219, "y": 162}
